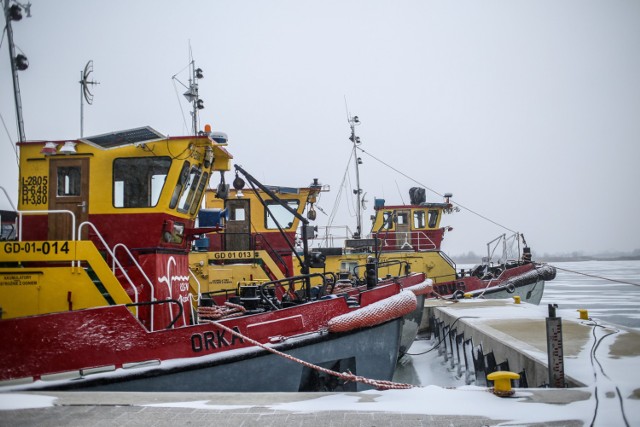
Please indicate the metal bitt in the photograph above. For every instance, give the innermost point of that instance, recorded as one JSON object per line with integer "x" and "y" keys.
{"x": 371, "y": 273}
{"x": 555, "y": 352}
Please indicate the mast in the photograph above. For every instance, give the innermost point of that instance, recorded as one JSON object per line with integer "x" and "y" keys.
{"x": 192, "y": 96}
{"x": 13, "y": 12}
{"x": 353, "y": 122}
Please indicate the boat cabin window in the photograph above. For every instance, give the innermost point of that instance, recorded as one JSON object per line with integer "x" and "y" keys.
{"x": 418, "y": 219}
{"x": 281, "y": 215}
{"x": 433, "y": 218}
{"x": 402, "y": 219}
{"x": 69, "y": 180}
{"x": 183, "y": 178}
{"x": 203, "y": 183}
{"x": 138, "y": 181}
{"x": 237, "y": 214}
{"x": 190, "y": 189}
{"x": 387, "y": 220}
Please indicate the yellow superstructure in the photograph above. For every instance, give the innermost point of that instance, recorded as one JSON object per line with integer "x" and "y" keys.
{"x": 106, "y": 220}
{"x": 251, "y": 248}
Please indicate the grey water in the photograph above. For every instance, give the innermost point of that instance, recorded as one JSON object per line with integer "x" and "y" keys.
{"x": 607, "y": 300}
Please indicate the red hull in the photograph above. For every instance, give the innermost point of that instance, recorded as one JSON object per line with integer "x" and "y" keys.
{"x": 112, "y": 336}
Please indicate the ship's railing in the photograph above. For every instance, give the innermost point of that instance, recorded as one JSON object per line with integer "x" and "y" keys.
{"x": 507, "y": 244}
{"x": 139, "y": 267}
{"x": 407, "y": 240}
{"x": 334, "y": 236}
{"x": 387, "y": 264}
{"x": 448, "y": 260}
{"x": 271, "y": 251}
{"x": 115, "y": 260}
{"x": 398, "y": 240}
{"x": 191, "y": 297}
{"x": 43, "y": 212}
{"x": 54, "y": 211}
{"x": 303, "y": 278}
{"x": 8, "y": 199}
{"x": 164, "y": 301}
{"x": 193, "y": 308}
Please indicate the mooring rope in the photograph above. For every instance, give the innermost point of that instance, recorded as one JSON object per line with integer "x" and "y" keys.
{"x": 345, "y": 376}
{"x": 624, "y": 282}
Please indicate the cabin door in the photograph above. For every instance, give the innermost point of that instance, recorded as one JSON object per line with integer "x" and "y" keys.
{"x": 69, "y": 190}
{"x": 238, "y": 229}
{"x": 403, "y": 231}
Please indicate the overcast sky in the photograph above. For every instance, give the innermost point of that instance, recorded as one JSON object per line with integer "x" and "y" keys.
{"x": 527, "y": 111}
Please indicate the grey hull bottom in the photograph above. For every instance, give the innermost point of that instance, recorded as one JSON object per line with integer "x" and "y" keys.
{"x": 530, "y": 293}
{"x": 370, "y": 352}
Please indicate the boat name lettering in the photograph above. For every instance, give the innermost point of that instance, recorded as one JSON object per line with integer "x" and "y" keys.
{"x": 211, "y": 340}
{"x": 18, "y": 279}
{"x": 44, "y": 248}
{"x": 35, "y": 190}
{"x": 235, "y": 255}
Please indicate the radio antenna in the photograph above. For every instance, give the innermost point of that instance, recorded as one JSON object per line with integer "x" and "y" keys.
{"x": 85, "y": 93}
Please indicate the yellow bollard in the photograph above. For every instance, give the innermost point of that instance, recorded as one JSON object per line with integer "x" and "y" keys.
{"x": 584, "y": 314}
{"x": 516, "y": 299}
{"x": 502, "y": 382}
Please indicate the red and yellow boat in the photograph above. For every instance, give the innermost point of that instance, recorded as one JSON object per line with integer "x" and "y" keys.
{"x": 98, "y": 294}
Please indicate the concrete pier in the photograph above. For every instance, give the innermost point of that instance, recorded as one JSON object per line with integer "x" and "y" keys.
{"x": 515, "y": 335}
{"x": 357, "y": 409}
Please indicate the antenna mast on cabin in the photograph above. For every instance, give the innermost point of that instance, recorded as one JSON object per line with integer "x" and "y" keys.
{"x": 191, "y": 94}
{"x": 353, "y": 122}
{"x": 19, "y": 62}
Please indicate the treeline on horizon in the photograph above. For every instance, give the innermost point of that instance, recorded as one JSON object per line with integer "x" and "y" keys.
{"x": 473, "y": 258}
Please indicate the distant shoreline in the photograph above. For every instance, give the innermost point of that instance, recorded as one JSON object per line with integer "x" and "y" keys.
{"x": 588, "y": 258}
{"x": 472, "y": 259}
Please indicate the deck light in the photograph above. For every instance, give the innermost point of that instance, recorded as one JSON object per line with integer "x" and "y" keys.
{"x": 49, "y": 149}
{"x": 22, "y": 63}
{"x": 69, "y": 147}
{"x": 15, "y": 12}
{"x": 238, "y": 183}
